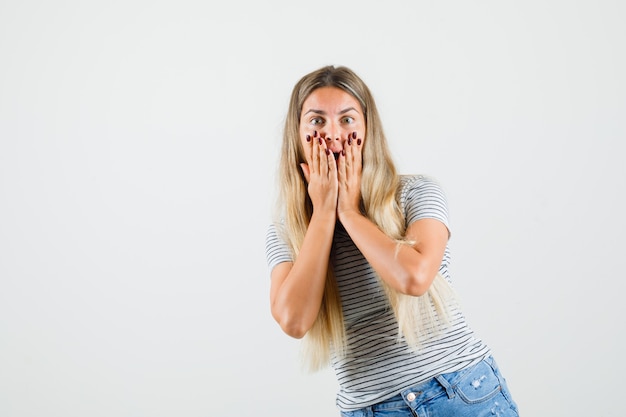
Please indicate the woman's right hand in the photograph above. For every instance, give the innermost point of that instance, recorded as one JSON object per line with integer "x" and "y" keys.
{"x": 320, "y": 172}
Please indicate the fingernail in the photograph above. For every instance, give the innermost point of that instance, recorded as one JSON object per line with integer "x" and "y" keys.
{"x": 358, "y": 141}
{"x": 349, "y": 141}
{"x": 353, "y": 135}
{"x": 308, "y": 138}
{"x": 327, "y": 151}
{"x": 343, "y": 153}
{"x": 315, "y": 133}
{"x": 320, "y": 140}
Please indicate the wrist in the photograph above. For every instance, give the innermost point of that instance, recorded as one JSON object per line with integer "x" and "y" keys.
{"x": 347, "y": 215}
{"x": 324, "y": 216}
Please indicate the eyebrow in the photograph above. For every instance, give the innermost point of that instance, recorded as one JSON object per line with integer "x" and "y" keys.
{"x": 323, "y": 113}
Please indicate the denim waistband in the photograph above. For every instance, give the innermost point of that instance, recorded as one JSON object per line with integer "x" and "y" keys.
{"x": 452, "y": 385}
{"x": 434, "y": 387}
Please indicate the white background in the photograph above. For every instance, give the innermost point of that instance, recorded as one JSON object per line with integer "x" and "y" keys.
{"x": 138, "y": 145}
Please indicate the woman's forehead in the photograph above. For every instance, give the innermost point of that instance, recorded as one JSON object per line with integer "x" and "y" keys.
{"x": 330, "y": 99}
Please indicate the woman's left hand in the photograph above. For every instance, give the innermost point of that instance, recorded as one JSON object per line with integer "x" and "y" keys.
{"x": 349, "y": 175}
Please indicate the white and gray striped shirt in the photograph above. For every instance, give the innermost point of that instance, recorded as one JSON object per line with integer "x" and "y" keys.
{"x": 378, "y": 365}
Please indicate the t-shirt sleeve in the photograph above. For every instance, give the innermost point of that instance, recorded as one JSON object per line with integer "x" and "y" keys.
{"x": 276, "y": 249}
{"x": 424, "y": 198}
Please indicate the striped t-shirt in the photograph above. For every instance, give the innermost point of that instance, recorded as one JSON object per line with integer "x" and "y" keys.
{"x": 378, "y": 365}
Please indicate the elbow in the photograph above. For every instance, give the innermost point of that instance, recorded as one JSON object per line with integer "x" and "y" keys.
{"x": 416, "y": 283}
{"x": 415, "y": 289}
{"x": 297, "y": 332}
{"x": 293, "y": 328}
{"x": 291, "y": 324}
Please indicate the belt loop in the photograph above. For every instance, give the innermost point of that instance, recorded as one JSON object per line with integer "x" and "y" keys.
{"x": 444, "y": 383}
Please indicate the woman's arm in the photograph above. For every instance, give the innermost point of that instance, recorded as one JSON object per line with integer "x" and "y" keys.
{"x": 408, "y": 269}
{"x": 297, "y": 287}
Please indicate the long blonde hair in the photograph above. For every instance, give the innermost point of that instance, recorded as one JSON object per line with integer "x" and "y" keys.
{"x": 379, "y": 191}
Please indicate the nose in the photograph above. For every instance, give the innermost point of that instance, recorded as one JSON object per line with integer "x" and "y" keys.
{"x": 334, "y": 139}
{"x": 334, "y": 144}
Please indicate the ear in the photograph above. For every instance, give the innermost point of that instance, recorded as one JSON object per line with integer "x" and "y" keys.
{"x": 305, "y": 171}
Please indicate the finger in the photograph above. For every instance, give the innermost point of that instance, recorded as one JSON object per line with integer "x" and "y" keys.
{"x": 331, "y": 163}
{"x": 323, "y": 153}
{"x": 349, "y": 158}
{"x": 315, "y": 156}
{"x": 358, "y": 155}
{"x": 341, "y": 165}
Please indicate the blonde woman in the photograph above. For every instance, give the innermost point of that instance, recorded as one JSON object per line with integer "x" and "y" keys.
{"x": 359, "y": 265}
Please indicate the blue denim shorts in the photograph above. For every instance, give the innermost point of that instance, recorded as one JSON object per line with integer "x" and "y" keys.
{"x": 479, "y": 390}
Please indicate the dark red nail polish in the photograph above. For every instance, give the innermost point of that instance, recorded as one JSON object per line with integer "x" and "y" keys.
{"x": 353, "y": 135}
{"x": 358, "y": 141}
{"x": 349, "y": 141}
{"x": 343, "y": 153}
{"x": 327, "y": 151}
{"x": 315, "y": 133}
{"x": 308, "y": 138}
{"x": 320, "y": 140}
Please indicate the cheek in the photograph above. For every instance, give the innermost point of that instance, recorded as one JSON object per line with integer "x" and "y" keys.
{"x": 361, "y": 132}
{"x": 302, "y": 132}
{"x": 302, "y": 136}
{"x": 304, "y": 145}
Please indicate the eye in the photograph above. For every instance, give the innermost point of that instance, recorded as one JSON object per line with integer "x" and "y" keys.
{"x": 348, "y": 120}
{"x": 317, "y": 121}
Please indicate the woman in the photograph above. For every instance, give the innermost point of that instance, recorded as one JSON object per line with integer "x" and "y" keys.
{"x": 359, "y": 265}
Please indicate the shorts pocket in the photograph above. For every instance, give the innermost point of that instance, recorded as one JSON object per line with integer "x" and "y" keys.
{"x": 479, "y": 384}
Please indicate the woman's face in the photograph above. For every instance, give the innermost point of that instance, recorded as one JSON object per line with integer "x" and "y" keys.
{"x": 334, "y": 115}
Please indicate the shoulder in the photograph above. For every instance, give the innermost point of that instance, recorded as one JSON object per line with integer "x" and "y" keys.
{"x": 422, "y": 196}
{"x": 275, "y": 231}
{"x": 419, "y": 183}
{"x": 276, "y": 248}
